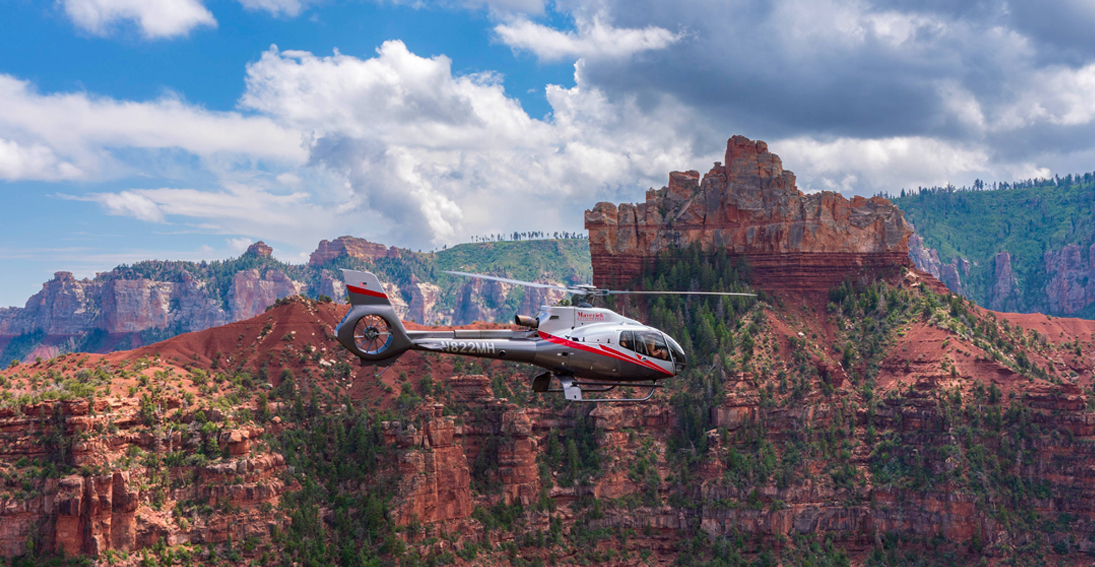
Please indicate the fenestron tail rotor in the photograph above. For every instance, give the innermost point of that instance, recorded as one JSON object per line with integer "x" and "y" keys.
{"x": 373, "y": 334}
{"x": 589, "y": 290}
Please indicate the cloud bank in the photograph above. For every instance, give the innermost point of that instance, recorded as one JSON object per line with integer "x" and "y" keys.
{"x": 859, "y": 97}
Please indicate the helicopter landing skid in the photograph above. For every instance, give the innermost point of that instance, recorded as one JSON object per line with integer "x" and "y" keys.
{"x": 572, "y": 389}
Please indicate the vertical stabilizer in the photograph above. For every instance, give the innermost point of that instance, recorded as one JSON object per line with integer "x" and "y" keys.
{"x": 363, "y": 288}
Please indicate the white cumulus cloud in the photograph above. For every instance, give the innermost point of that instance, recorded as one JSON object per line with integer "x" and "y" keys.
{"x": 442, "y": 157}
{"x": 77, "y": 132}
{"x": 156, "y": 19}
{"x": 594, "y": 39}
{"x": 18, "y": 162}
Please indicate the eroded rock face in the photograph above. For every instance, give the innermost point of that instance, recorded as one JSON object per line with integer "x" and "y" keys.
{"x": 1004, "y": 295}
{"x": 65, "y": 306}
{"x": 259, "y": 249}
{"x": 332, "y": 286}
{"x": 484, "y": 300}
{"x": 124, "y": 305}
{"x": 253, "y": 292}
{"x": 115, "y": 509}
{"x": 927, "y": 260}
{"x": 352, "y": 247}
{"x": 1071, "y": 285}
{"x": 750, "y": 207}
{"x": 423, "y": 304}
{"x": 136, "y": 305}
{"x": 436, "y": 483}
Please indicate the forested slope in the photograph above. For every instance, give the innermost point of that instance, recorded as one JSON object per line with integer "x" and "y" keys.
{"x": 1028, "y": 244}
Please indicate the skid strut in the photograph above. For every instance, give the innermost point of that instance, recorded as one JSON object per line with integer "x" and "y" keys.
{"x": 572, "y": 388}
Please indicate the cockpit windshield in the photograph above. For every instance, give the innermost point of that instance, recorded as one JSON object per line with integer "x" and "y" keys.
{"x": 678, "y": 353}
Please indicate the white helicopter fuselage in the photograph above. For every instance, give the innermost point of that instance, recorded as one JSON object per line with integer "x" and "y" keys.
{"x": 580, "y": 347}
{"x": 583, "y": 342}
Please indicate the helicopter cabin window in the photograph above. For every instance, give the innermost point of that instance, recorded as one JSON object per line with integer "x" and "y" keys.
{"x": 645, "y": 343}
{"x": 653, "y": 344}
{"x": 627, "y": 340}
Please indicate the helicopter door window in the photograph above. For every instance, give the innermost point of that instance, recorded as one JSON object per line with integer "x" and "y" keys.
{"x": 627, "y": 340}
{"x": 654, "y": 345}
{"x": 638, "y": 343}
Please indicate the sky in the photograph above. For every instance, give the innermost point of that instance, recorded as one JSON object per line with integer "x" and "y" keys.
{"x": 188, "y": 129}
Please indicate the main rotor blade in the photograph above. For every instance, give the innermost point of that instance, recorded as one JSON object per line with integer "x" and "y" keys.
{"x": 589, "y": 290}
{"x": 513, "y": 281}
{"x": 614, "y": 292}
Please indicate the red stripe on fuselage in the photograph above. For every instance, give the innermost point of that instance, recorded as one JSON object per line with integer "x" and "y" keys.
{"x": 604, "y": 351}
{"x": 363, "y": 291}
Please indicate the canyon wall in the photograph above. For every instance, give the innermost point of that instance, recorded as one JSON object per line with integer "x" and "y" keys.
{"x": 750, "y": 207}
{"x": 972, "y": 435}
{"x": 1071, "y": 275}
{"x": 927, "y": 260}
{"x": 1068, "y": 274}
{"x": 125, "y": 504}
{"x": 130, "y": 306}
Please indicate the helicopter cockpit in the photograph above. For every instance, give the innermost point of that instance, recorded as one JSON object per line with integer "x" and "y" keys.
{"x": 654, "y": 345}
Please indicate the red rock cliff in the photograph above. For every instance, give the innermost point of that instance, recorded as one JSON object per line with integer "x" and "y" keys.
{"x": 750, "y": 206}
{"x": 352, "y": 247}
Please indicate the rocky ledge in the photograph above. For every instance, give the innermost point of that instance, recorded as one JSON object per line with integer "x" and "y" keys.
{"x": 751, "y": 207}
{"x": 349, "y": 246}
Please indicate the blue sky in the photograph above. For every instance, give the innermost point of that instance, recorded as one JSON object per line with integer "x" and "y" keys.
{"x": 174, "y": 129}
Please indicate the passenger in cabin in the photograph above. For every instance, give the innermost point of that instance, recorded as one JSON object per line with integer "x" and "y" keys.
{"x": 654, "y": 346}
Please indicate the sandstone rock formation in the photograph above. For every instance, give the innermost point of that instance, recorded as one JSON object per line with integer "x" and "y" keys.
{"x": 1071, "y": 285}
{"x": 750, "y": 207}
{"x": 352, "y": 247}
{"x": 63, "y": 307}
{"x": 89, "y": 514}
{"x": 259, "y": 249}
{"x": 1069, "y": 274}
{"x": 67, "y": 307}
{"x": 252, "y": 292}
{"x": 1004, "y": 295}
{"x": 927, "y": 260}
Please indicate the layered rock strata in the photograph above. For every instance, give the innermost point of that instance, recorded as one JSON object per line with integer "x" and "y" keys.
{"x": 750, "y": 207}
{"x": 114, "y": 506}
{"x": 349, "y": 246}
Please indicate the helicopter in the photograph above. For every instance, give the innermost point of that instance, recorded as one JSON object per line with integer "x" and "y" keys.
{"x": 581, "y": 347}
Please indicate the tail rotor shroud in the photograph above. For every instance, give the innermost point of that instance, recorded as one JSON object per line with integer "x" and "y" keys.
{"x": 373, "y": 334}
